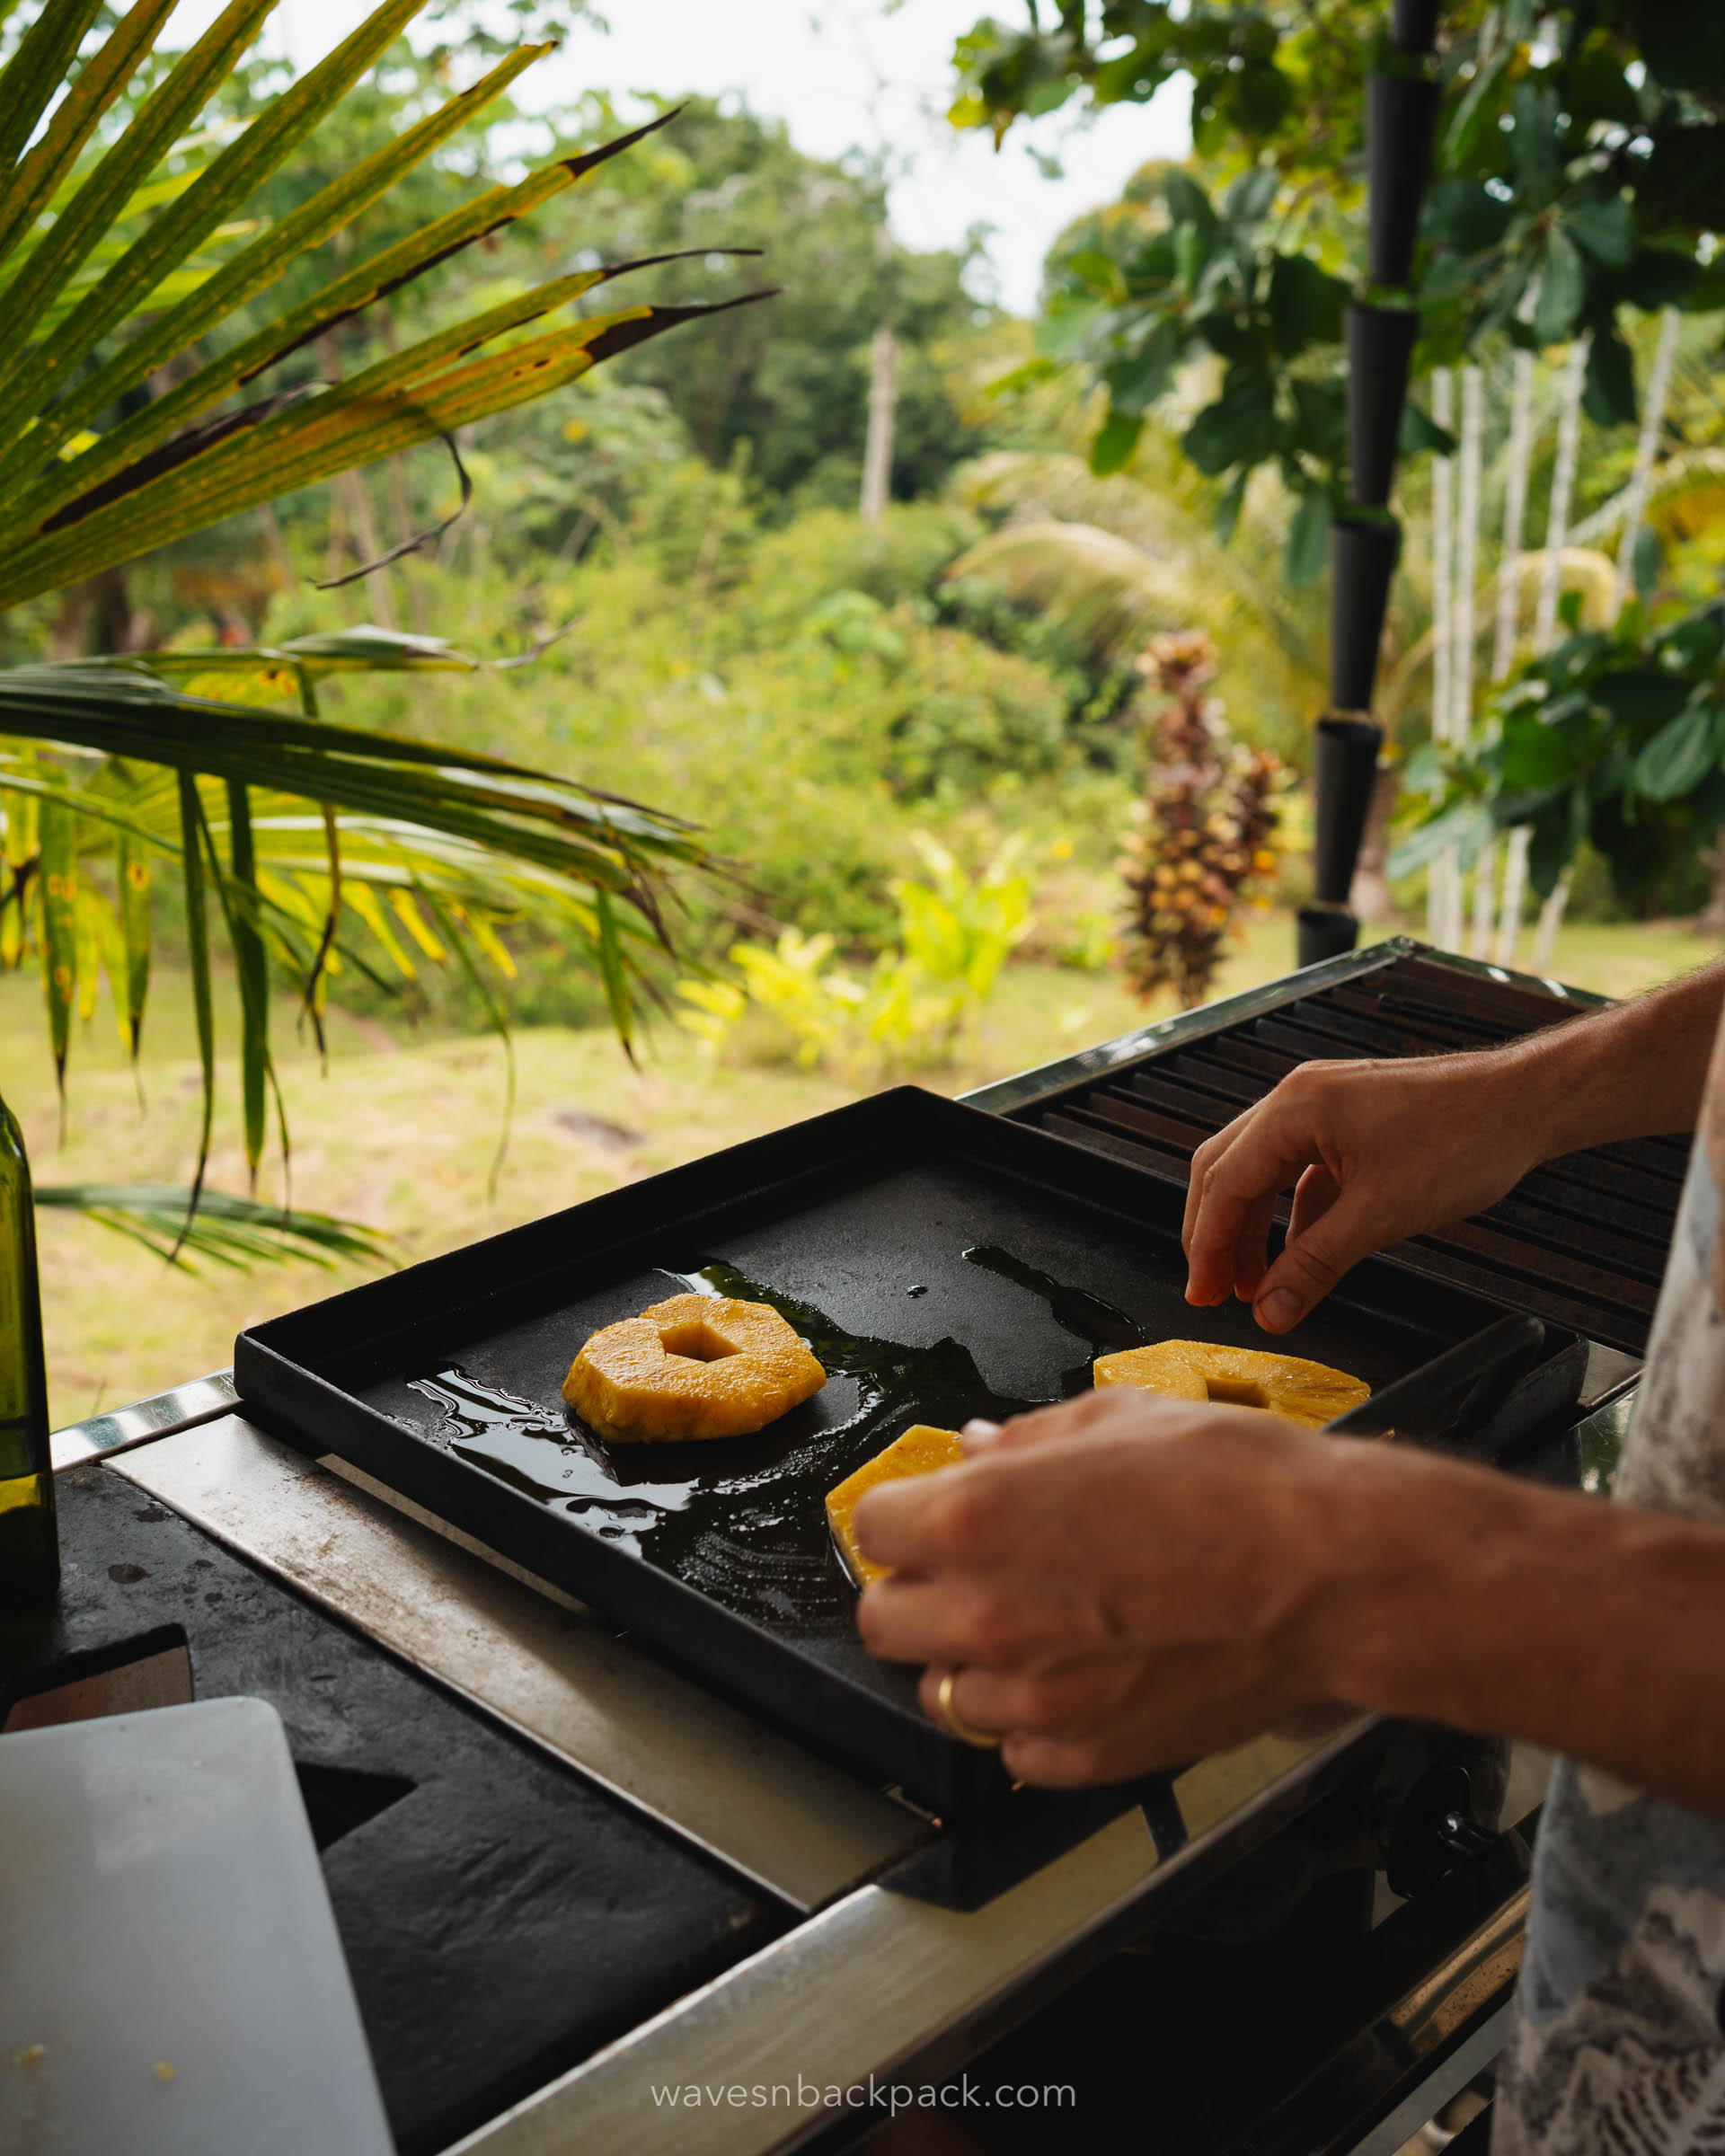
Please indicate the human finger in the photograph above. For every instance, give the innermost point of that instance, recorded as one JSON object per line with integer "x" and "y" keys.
{"x": 1251, "y": 1249}
{"x": 1169, "y": 1727}
{"x": 1255, "y": 1157}
{"x": 1051, "y": 1698}
{"x": 915, "y": 1522}
{"x": 1313, "y": 1195}
{"x": 1313, "y": 1261}
{"x": 995, "y": 1622}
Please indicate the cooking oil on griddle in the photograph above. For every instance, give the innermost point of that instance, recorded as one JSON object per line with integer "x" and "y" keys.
{"x": 743, "y": 1518}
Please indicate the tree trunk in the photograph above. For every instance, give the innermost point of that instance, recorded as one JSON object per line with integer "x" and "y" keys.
{"x": 884, "y": 407}
{"x": 353, "y": 490}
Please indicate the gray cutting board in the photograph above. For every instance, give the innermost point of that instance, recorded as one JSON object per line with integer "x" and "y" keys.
{"x": 171, "y": 1980}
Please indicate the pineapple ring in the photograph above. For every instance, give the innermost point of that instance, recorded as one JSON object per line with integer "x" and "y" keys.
{"x": 694, "y": 1366}
{"x": 1312, "y": 1393}
{"x": 920, "y": 1451}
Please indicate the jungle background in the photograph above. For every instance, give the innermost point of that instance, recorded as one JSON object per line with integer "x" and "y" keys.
{"x": 917, "y": 716}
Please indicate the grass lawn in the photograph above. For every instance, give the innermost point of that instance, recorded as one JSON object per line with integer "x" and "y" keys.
{"x": 399, "y": 1133}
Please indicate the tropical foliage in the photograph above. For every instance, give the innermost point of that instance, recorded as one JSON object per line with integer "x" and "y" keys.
{"x": 142, "y": 400}
{"x": 1579, "y": 163}
{"x": 1616, "y": 737}
{"x": 1202, "y": 839}
{"x": 793, "y": 1001}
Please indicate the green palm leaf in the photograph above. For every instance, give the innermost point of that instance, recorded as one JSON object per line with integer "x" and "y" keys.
{"x": 231, "y": 1230}
{"x": 316, "y": 846}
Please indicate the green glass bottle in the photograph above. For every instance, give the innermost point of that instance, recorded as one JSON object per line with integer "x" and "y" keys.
{"x": 30, "y": 1546}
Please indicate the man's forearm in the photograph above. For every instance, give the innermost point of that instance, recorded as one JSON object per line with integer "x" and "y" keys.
{"x": 1637, "y": 1071}
{"x": 1455, "y": 1594}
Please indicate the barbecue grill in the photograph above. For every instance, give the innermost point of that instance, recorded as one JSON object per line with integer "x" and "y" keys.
{"x": 572, "y": 1865}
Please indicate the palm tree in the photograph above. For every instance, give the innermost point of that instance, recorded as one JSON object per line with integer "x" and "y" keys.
{"x": 142, "y": 398}
{"x": 1120, "y": 559}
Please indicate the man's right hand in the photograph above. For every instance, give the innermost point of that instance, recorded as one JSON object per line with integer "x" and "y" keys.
{"x": 1373, "y": 1152}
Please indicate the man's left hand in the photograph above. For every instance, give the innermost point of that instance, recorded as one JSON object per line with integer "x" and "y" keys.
{"x": 1120, "y": 1582}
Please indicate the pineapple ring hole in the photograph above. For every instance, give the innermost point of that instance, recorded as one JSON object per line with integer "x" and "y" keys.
{"x": 696, "y": 1343}
{"x": 1234, "y": 1393}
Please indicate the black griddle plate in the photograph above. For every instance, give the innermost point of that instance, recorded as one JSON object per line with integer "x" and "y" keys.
{"x": 944, "y": 1262}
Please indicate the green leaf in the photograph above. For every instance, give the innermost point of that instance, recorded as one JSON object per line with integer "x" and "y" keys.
{"x": 57, "y": 836}
{"x": 1100, "y": 271}
{"x": 1420, "y": 434}
{"x": 1188, "y": 204}
{"x": 1249, "y": 199}
{"x": 258, "y": 454}
{"x": 1115, "y": 440}
{"x": 1533, "y": 144}
{"x": 1308, "y": 538}
{"x": 1563, "y": 288}
{"x": 178, "y": 328}
{"x": 1135, "y": 383}
{"x": 252, "y": 966}
{"x": 134, "y": 882}
{"x": 1609, "y": 397}
{"x": 29, "y": 190}
{"x": 1320, "y": 419}
{"x": 179, "y": 1225}
{"x": 1640, "y": 698}
{"x": 167, "y": 114}
{"x": 1305, "y": 305}
{"x": 1473, "y": 127}
{"x": 1459, "y": 214}
{"x": 185, "y": 223}
{"x": 1464, "y": 827}
{"x": 1656, "y": 278}
{"x": 1239, "y": 428}
{"x": 32, "y": 78}
{"x": 1556, "y": 831}
{"x": 1604, "y": 230}
{"x": 1536, "y": 754}
{"x": 1680, "y": 755}
{"x": 191, "y": 841}
{"x": 1227, "y": 510}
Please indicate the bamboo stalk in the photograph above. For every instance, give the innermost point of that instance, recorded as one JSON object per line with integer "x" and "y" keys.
{"x": 1515, "y": 509}
{"x": 1443, "y": 540}
{"x": 1551, "y": 917}
{"x": 1646, "y": 448}
{"x": 1503, "y": 648}
{"x": 1557, "y": 528}
{"x": 1557, "y": 520}
{"x": 1515, "y": 890}
{"x": 1462, "y": 665}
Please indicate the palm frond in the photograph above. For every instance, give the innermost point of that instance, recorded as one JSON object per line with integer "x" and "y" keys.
{"x": 314, "y": 845}
{"x": 225, "y": 1229}
{"x": 1685, "y": 499}
{"x": 1161, "y": 509}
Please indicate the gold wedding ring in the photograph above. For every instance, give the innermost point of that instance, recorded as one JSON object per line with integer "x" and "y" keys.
{"x": 983, "y": 1739}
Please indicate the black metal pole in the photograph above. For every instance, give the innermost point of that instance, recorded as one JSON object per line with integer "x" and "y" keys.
{"x": 1401, "y": 120}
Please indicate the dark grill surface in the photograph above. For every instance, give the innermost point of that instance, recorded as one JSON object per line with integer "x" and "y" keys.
{"x": 1581, "y": 1241}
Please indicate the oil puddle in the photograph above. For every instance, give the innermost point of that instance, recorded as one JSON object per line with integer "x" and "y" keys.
{"x": 1103, "y": 1328}
{"x": 743, "y": 1519}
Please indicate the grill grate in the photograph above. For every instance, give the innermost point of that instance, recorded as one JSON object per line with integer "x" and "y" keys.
{"x": 1581, "y": 1241}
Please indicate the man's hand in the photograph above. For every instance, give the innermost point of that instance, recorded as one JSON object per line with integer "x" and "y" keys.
{"x": 1136, "y": 1601}
{"x": 1377, "y": 1151}
{"x": 1373, "y": 1152}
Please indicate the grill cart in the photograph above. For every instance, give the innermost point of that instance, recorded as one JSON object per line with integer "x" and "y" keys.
{"x": 691, "y": 1874}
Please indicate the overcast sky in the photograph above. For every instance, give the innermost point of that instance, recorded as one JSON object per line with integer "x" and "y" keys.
{"x": 842, "y": 74}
